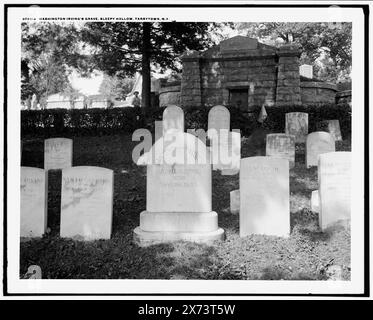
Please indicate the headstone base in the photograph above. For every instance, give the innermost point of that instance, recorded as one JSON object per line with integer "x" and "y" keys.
{"x": 229, "y": 172}
{"x": 178, "y": 221}
{"x": 145, "y": 238}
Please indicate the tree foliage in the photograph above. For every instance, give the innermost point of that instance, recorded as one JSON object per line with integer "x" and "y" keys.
{"x": 325, "y": 45}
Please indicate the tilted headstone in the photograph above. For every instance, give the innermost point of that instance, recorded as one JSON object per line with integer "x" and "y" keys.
{"x": 334, "y": 174}
{"x": 281, "y": 145}
{"x": 235, "y": 201}
{"x": 173, "y": 119}
{"x": 34, "y": 202}
{"x": 86, "y": 203}
{"x": 58, "y": 153}
{"x": 264, "y": 196}
{"x": 315, "y": 201}
{"x": 296, "y": 123}
{"x": 318, "y": 143}
{"x": 331, "y": 126}
{"x": 178, "y": 197}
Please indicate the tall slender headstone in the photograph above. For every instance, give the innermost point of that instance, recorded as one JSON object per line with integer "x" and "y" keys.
{"x": 173, "y": 119}
{"x": 234, "y": 196}
{"x": 318, "y": 143}
{"x": 34, "y": 202}
{"x": 86, "y": 203}
{"x": 219, "y": 136}
{"x": 331, "y": 126}
{"x": 178, "y": 196}
{"x": 315, "y": 203}
{"x": 58, "y": 153}
{"x": 296, "y": 123}
{"x": 230, "y": 154}
{"x": 334, "y": 174}
{"x": 281, "y": 145}
{"x": 264, "y": 196}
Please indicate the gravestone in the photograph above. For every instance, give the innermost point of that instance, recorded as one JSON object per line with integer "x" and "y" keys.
{"x": 331, "y": 126}
{"x": 178, "y": 198}
{"x": 58, "y": 153}
{"x": 264, "y": 196}
{"x": 334, "y": 174}
{"x": 318, "y": 143}
{"x": 86, "y": 203}
{"x": 218, "y": 134}
{"x": 230, "y": 154}
{"x": 281, "y": 145}
{"x": 235, "y": 201}
{"x": 315, "y": 201}
{"x": 173, "y": 119}
{"x": 296, "y": 123}
{"x": 34, "y": 201}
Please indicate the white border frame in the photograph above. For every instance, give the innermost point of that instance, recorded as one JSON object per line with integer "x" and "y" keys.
{"x": 241, "y": 14}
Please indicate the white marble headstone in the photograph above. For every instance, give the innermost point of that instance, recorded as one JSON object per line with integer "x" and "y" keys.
{"x": 296, "y": 123}
{"x": 315, "y": 201}
{"x": 264, "y": 196}
{"x": 229, "y": 153}
{"x": 318, "y": 143}
{"x": 58, "y": 153}
{"x": 178, "y": 188}
{"x": 281, "y": 145}
{"x": 235, "y": 201}
{"x": 334, "y": 174}
{"x": 86, "y": 203}
{"x": 219, "y": 118}
{"x": 331, "y": 126}
{"x": 34, "y": 202}
{"x": 173, "y": 119}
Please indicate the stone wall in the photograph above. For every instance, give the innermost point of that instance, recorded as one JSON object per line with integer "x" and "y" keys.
{"x": 343, "y": 97}
{"x": 169, "y": 96}
{"x": 317, "y": 92}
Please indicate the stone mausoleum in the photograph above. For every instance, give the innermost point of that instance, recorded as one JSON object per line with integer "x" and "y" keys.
{"x": 243, "y": 72}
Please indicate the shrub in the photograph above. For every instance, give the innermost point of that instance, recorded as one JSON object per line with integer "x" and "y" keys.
{"x": 67, "y": 122}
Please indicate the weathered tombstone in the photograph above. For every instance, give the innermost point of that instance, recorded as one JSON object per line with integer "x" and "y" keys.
{"x": 34, "y": 200}
{"x": 58, "y": 153}
{"x": 178, "y": 197}
{"x": 331, "y": 126}
{"x": 318, "y": 143}
{"x": 315, "y": 201}
{"x": 173, "y": 119}
{"x": 220, "y": 138}
{"x": 334, "y": 174}
{"x": 296, "y": 123}
{"x": 235, "y": 201}
{"x": 232, "y": 146}
{"x": 281, "y": 145}
{"x": 219, "y": 118}
{"x": 86, "y": 203}
{"x": 264, "y": 196}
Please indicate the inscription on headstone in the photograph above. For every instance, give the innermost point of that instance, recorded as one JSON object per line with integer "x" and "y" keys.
{"x": 34, "y": 200}
{"x": 264, "y": 196}
{"x": 334, "y": 173}
{"x": 296, "y": 123}
{"x": 318, "y": 143}
{"x": 86, "y": 203}
{"x": 58, "y": 153}
{"x": 280, "y": 145}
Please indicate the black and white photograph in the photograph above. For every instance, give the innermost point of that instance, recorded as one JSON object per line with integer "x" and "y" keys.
{"x": 185, "y": 150}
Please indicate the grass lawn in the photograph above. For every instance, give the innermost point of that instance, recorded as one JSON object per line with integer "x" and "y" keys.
{"x": 305, "y": 255}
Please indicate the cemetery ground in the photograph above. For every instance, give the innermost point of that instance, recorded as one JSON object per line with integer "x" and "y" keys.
{"x": 305, "y": 255}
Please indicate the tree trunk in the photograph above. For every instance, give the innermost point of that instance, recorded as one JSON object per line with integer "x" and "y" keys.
{"x": 145, "y": 64}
